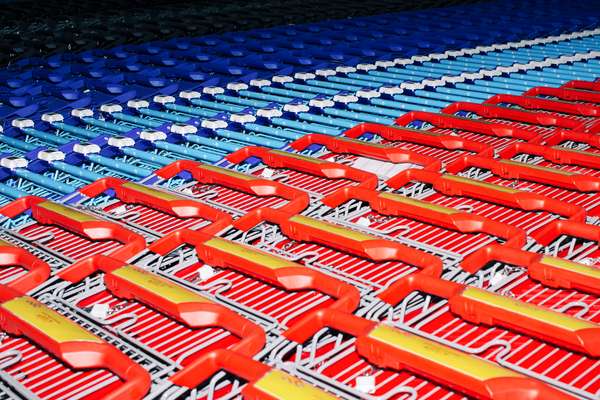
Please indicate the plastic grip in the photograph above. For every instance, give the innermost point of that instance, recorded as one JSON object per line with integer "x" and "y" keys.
{"x": 583, "y": 85}
{"x": 398, "y": 133}
{"x": 480, "y": 306}
{"x": 299, "y": 227}
{"x": 453, "y": 122}
{"x": 454, "y": 185}
{"x": 170, "y": 298}
{"x": 170, "y": 203}
{"x": 297, "y": 162}
{"x": 554, "y": 154}
{"x": 534, "y": 103}
{"x": 394, "y": 204}
{"x": 366, "y": 149}
{"x": 72, "y": 344}
{"x": 550, "y": 271}
{"x": 37, "y": 270}
{"x": 387, "y": 347}
{"x": 48, "y": 212}
{"x": 209, "y": 174}
{"x": 509, "y": 169}
{"x": 568, "y": 94}
{"x": 490, "y": 111}
{"x": 261, "y": 265}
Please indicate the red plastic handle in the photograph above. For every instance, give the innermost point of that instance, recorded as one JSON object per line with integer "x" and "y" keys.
{"x": 419, "y": 281}
{"x": 555, "y": 229}
{"x": 567, "y": 94}
{"x": 202, "y": 368}
{"x": 264, "y": 266}
{"x": 366, "y": 149}
{"x": 533, "y": 103}
{"x": 555, "y": 154}
{"x": 583, "y": 85}
{"x": 550, "y": 271}
{"x": 559, "y": 106}
{"x": 24, "y": 316}
{"x": 37, "y": 270}
{"x": 388, "y": 347}
{"x": 209, "y": 174}
{"x": 310, "y": 165}
{"x": 483, "y": 307}
{"x": 535, "y": 118}
{"x": 51, "y": 213}
{"x": 299, "y": 227}
{"x": 454, "y": 185}
{"x": 472, "y": 125}
{"x": 564, "y": 136}
{"x": 417, "y": 136}
{"x": 163, "y": 295}
{"x": 169, "y": 203}
{"x": 263, "y": 382}
{"x": 509, "y": 169}
{"x": 449, "y": 218}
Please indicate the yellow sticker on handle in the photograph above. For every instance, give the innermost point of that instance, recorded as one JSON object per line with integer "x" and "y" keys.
{"x": 527, "y": 310}
{"x": 364, "y": 143}
{"x": 159, "y": 194}
{"x": 484, "y": 185}
{"x": 586, "y": 153}
{"x": 52, "y": 324}
{"x": 226, "y": 171}
{"x": 67, "y": 211}
{"x": 297, "y": 156}
{"x": 158, "y": 285}
{"x": 283, "y": 386}
{"x": 418, "y": 131}
{"x": 4, "y": 243}
{"x": 537, "y": 167}
{"x": 418, "y": 203}
{"x": 566, "y": 265}
{"x": 469, "y": 119}
{"x": 333, "y": 229}
{"x": 250, "y": 254}
{"x": 444, "y": 356}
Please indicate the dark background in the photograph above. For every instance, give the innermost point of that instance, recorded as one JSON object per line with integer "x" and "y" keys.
{"x": 37, "y": 28}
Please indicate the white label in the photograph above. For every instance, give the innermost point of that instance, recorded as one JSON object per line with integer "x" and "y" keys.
{"x": 206, "y": 272}
{"x": 119, "y": 210}
{"x": 362, "y": 221}
{"x": 100, "y": 310}
{"x": 497, "y": 278}
{"x": 365, "y": 384}
{"x": 383, "y": 169}
{"x": 267, "y": 173}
